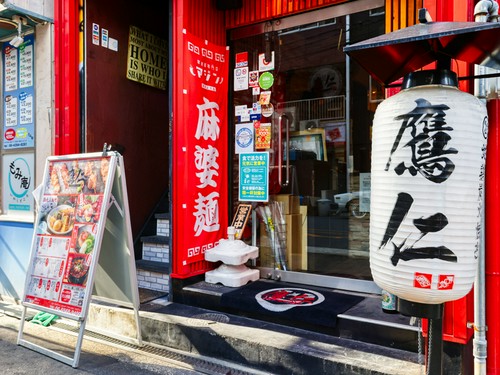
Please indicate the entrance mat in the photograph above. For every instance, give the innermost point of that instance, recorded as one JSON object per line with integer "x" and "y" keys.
{"x": 290, "y": 302}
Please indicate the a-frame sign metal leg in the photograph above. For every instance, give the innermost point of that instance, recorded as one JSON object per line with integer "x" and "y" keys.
{"x": 48, "y": 352}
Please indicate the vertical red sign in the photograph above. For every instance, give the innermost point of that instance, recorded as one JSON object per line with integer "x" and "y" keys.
{"x": 200, "y": 201}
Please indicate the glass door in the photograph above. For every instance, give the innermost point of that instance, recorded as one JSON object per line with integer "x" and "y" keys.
{"x": 311, "y": 109}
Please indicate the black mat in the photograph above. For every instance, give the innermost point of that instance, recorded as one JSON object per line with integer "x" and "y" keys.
{"x": 308, "y": 306}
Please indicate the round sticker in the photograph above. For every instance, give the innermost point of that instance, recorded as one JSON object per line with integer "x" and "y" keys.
{"x": 266, "y": 80}
{"x": 267, "y": 110}
{"x": 10, "y": 134}
{"x": 244, "y": 137}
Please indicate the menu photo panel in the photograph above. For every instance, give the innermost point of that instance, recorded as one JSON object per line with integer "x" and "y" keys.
{"x": 68, "y": 230}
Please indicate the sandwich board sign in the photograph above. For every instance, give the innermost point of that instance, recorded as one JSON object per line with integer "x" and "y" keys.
{"x": 82, "y": 243}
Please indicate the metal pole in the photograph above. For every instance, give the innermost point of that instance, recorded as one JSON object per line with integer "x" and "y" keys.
{"x": 486, "y": 11}
{"x": 347, "y": 106}
{"x": 434, "y": 313}
{"x": 492, "y": 266}
{"x": 435, "y": 347}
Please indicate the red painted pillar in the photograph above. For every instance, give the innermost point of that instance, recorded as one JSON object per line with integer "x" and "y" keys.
{"x": 66, "y": 50}
{"x": 492, "y": 257}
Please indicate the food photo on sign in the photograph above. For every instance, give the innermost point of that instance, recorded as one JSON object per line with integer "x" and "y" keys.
{"x": 57, "y": 215}
{"x": 88, "y": 209}
{"x": 77, "y": 269}
{"x": 77, "y": 176}
{"x": 83, "y": 240}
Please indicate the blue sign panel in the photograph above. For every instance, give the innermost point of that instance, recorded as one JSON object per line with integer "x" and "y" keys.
{"x": 19, "y": 95}
{"x": 254, "y": 177}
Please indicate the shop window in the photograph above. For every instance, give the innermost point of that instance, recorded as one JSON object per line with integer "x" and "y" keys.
{"x": 302, "y": 74}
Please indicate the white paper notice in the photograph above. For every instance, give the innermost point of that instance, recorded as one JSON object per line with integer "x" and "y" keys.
{"x": 26, "y": 67}
{"x": 240, "y": 109}
{"x": 113, "y": 44}
{"x": 240, "y": 79}
{"x": 11, "y": 108}
{"x": 266, "y": 65}
{"x": 26, "y": 109}
{"x": 11, "y": 70}
{"x": 245, "y": 116}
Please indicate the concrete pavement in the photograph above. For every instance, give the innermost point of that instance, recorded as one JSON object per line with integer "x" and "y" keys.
{"x": 229, "y": 345}
{"x": 265, "y": 346}
{"x": 98, "y": 356}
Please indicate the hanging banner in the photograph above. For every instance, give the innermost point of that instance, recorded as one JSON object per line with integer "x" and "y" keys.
{"x": 200, "y": 148}
{"x": 18, "y": 95}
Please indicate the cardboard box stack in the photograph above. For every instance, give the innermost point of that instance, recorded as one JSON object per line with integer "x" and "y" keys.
{"x": 296, "y": 235}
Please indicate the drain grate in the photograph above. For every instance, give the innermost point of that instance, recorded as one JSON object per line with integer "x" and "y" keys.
{"x": 199, "y": 363}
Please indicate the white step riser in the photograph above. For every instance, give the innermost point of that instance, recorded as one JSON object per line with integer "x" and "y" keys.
{"x": 153, "y": 280}
{"x": 155, "y": 252}
{"x": 162, "y": 227}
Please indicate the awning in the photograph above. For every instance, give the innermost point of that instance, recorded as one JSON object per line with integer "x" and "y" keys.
{"x": 390, "y": 56}
{"x": 8, "y": 10}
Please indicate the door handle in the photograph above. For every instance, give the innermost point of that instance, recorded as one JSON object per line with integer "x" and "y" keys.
{"x": 280, "y": 151}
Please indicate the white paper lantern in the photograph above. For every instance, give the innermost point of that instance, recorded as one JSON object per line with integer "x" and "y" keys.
{"x": 428, "y": 159}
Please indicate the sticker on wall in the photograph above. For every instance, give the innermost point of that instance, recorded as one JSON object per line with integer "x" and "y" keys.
{"x": 256, "y": 90}
{"x": 240, "y": 79}
{"x": 262, "y": 135}
{"x": 265, "y": 97}
{"x": 266, "y": 80}
{"x": 267, "y": 110}
{"x": 266, "y": 65}
{"x": 256, "y": 107}
{"x": 95, "y": 34}
{"x": 240, "y": 109}
{"x": 104, "y": 38}
{"x": 254, "y": 180}
{"x": 244, "y": 138}
{"x": 253, "y": 78}
{"x": 113, "y": 44}
{"x": 241, "y": 59}
{"x": 245, "y": 115}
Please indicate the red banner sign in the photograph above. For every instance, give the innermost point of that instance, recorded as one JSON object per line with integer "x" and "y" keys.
{"x": 200, "y": 202}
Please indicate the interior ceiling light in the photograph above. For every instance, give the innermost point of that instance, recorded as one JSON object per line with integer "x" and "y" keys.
{"x": 18, "y": 39}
